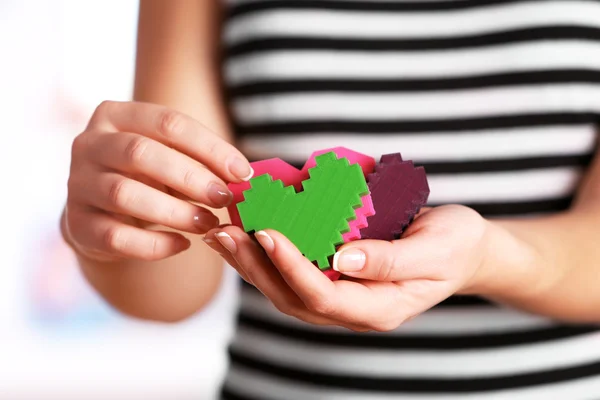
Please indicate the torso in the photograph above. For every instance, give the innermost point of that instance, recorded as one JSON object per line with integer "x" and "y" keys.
{"x": 499, "y": 100}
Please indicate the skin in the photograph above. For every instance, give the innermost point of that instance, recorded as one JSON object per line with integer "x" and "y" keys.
{"x": 127, "y": 257}
{"x": 139, "y": 203}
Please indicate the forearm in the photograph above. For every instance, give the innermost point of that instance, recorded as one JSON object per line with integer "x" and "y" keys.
{"x": 168, "y": 290}
{"x": 549, "y": 265}
{"x": 178, "y": 60}
{"x": 546, "y": 265}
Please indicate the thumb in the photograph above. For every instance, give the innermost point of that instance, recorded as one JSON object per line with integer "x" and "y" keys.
{"x": 380, "y": 260}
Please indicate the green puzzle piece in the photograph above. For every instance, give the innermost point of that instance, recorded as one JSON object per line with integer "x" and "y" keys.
{"x": 313, "y": 219}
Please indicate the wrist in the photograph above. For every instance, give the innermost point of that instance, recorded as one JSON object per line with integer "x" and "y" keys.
{"x": 509, "y": 266}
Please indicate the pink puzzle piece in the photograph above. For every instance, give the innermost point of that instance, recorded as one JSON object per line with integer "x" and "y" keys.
{"x": 280, "y": 170}
{"x": 366, "y": 210}
{"x": 331, "y": 274}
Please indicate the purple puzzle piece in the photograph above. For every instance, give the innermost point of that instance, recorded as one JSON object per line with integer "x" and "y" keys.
{"x": 390, "y": 158}
{"x": 398, "y": 191}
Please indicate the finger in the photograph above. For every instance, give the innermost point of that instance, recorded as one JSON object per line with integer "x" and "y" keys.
{"x": 115, "y": 193}
{"x": 180, "y": 196}
{"x": 102, "y": 233}
{"x": 276, "y": 284}
{"x": 315, "y": 290}
{"x": 373, "y": 305}
{"x": 265, "y": 277}
{"x": 350, "y": 304}
{"x": 211, "y": 240}
{"x": 176, "y": 130}
{"x": 137, "y": 154}
{"x": 255, "y": 265}
{"x": 412, "y": 257}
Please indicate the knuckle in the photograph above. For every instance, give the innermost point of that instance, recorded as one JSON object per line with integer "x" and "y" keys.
{"x": 136, "y": 149}
{"x": 212, "y": 146}
{"x": 171, "y": 124}
{"x": 117, "y": 194}
{"x": 114, "y": 240}
{"x": 189, "y": 179}
{"x": 386, "y": 268}
{"x": 79, "y": 145}
{"x": 170, "y": 216}
{"x": 105, "y": 107}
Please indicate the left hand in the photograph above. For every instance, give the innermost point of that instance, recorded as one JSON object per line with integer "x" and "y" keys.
{"x": 385, "y": 284}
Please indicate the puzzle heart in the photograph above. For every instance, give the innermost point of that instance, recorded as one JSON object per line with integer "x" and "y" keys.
{"x": 398, "y": 190}
{"x": 314, "y": 218}
{"x": 280, "y": 170}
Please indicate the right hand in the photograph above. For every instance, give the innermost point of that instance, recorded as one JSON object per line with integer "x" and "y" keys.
{"x": 137, "y": 165}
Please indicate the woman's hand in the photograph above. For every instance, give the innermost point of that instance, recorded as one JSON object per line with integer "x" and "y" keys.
{"x": 443, "y": 252}
{"x": 138, "y": 164}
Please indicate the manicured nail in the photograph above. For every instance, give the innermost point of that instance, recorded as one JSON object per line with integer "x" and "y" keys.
{"x": 227, "y": 242}
{"x": 205, "y": 223}
{"x": 219, "y": 194}
{"x": 209, "y": 241}
{"x": 213, "y": 244}
{"x": 240, "y": 168}
{"x": 349, "y": 260}
{"x": 265, "y": 241}
{"x": 183, "y": 243}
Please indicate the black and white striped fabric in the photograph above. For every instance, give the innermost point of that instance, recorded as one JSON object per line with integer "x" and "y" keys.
{"x": 498, "y": 99}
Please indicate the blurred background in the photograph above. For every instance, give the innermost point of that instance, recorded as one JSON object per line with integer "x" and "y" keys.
{"x": 58, "y": 340}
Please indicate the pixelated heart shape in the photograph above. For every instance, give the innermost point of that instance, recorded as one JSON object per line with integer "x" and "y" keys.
{"x": 314, "y": 218}
{"x": 280, "y": 170}
{"x": 398, "y": 190}
{"x": 289, "y": 175}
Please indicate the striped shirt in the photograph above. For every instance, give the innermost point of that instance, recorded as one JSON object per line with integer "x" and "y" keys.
{"x": 499, "y": 100}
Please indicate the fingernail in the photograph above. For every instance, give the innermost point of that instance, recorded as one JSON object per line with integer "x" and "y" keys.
{"x": 227, "y": 242}
{"x": 240, "y": 168}
{"x": 349, "y": 260}
{"x": 205, "y": 223}
{"x": 183, "y": 243}
{"x": 219, "y": 194}
{"x": 213, "y": 244}
{"x": 209, "y": 241}
{"x": 265, "y": 241}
